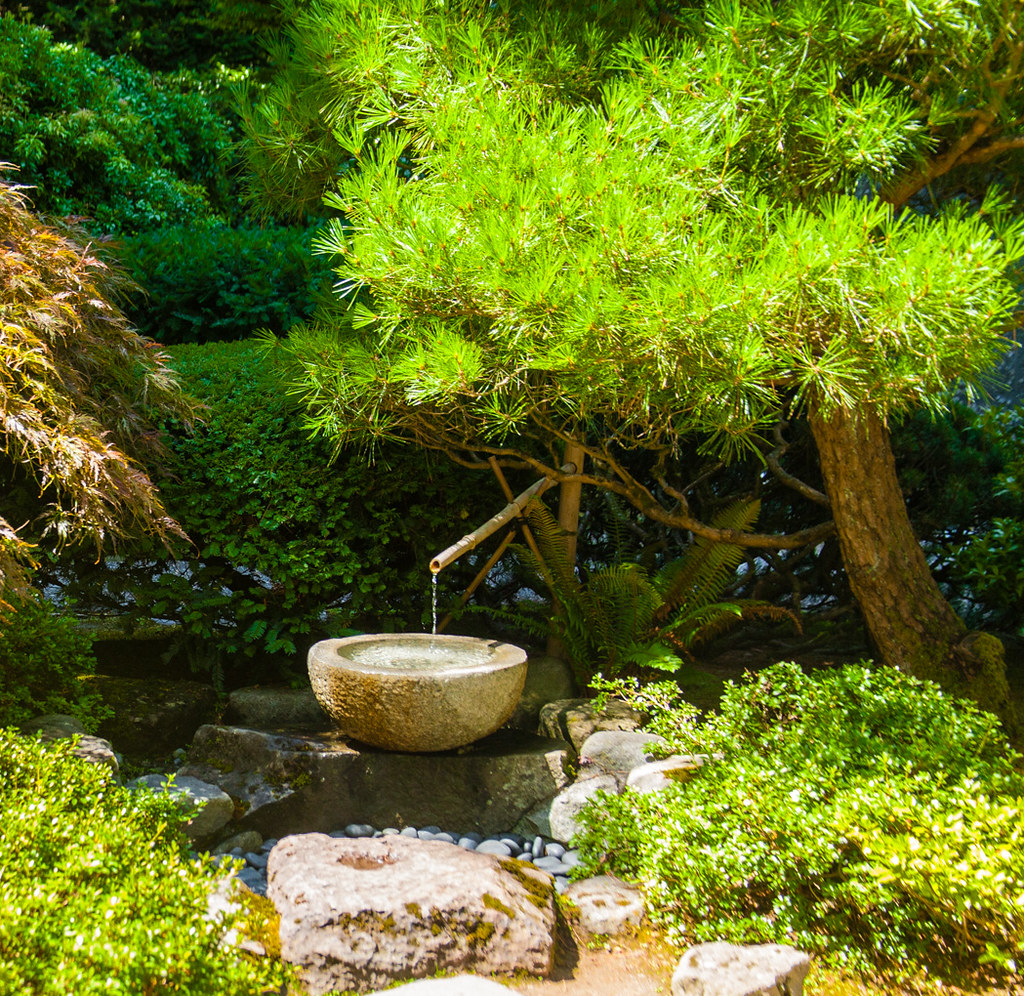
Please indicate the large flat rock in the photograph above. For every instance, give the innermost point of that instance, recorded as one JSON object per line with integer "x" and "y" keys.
{"x": 361, "y": 914}
{"x": 291, "y": 783}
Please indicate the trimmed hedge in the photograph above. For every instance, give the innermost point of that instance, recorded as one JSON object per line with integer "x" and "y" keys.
{"x": 856, "y": 812}
{"x": 217, "y": 283}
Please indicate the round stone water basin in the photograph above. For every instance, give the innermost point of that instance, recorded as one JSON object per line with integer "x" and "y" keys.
{"x": 416, "y": 692}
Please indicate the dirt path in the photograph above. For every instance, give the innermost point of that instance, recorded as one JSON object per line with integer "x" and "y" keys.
{"x": 630, "y": 967}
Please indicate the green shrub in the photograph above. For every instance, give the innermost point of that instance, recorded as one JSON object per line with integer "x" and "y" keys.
{"x": 107, "y": 139}
{"x": 221, "y": 283}
{"x": 288, "y": 547}
{"x": 857, "y": 813}
{"x": 161, "y": 36}
{"x": 100, "y": 895}
{"x": 42, "y": 655}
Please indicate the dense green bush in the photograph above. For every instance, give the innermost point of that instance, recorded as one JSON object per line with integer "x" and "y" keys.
{"x": 186, "y": 34}
{"x": 222, "y": 283}
{"x": 856, "y": 812}
{"x": 100, "y": 895}
{"x": 106, "y": 139}
{"x": 42, "y": 654}
{"x": 288, "y": 547}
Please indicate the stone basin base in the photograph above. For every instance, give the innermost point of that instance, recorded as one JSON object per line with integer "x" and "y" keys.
{"x": 416, "y": 692}
{"x": 285, "y": 783}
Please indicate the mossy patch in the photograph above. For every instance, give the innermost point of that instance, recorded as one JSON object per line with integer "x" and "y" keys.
{"x": 539, "y": 890}
{"x": 493, "y": 903}
{"x": 261, "y": 922}
{"x": 479, "y": 933}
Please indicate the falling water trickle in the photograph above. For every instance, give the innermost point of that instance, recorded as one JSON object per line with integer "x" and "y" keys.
{"x": 433, "y": 578}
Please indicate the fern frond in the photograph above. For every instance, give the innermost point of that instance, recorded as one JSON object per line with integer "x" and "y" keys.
{"x": 535, "y": 623}
{"x": 555, "y": 567}
{"x": 699, "y": 577}
{"x": 746, "y": 610}
{"x": 623, "y": 601}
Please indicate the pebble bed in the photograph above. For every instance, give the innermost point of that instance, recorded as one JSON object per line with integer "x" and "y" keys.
{"x": 547, "y": 855}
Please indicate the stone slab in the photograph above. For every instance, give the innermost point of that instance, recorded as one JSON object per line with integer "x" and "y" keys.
{"x": 360, "y": 914}
{"x": 289, "y": 783}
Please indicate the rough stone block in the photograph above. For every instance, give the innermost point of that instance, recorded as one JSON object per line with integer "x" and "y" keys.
{"x": 359, "y": 914}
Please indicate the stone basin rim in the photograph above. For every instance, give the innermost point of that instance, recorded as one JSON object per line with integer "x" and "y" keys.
{"x": 500, "y": 655}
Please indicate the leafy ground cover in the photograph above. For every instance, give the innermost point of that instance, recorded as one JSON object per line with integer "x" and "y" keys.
{"x": 856, "y": 813}
{"x": 100, "y": 893}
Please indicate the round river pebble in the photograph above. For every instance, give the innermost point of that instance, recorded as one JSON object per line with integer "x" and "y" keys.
{"x": 547, "y": 855}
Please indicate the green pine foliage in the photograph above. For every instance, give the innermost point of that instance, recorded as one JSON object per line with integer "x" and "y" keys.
{"x": 666, "y": 233}
{"x": 100, "y": 894}
{"x": 856, "y": 813}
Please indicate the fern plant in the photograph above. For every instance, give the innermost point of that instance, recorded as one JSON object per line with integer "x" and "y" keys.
{"x": 624, "y": 614}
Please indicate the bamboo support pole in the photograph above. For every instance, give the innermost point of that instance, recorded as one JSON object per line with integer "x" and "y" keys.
{"x": 511, "y": 511}
{"x": 527, "y": 532}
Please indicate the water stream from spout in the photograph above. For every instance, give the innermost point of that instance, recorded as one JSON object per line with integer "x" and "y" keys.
{"x": 433, "y": 604}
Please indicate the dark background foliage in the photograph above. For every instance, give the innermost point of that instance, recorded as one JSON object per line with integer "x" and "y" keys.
{"x": 287, "y": 547}
{"x": 190, "y": 34}
{"x": 106, "y": 140}
{"x": 219, "y": 283}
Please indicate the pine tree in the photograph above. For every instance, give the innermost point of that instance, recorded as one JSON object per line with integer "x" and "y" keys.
{"x": 627, "y": 230}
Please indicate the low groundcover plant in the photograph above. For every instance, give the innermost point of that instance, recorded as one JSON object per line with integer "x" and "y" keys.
{"x": 857, "y": 813}
{"x": 100, "y": 894}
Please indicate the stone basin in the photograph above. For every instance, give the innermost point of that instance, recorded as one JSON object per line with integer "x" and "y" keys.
{"x": 416, "y": 692}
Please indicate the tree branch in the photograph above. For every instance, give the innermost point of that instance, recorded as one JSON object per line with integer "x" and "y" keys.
{"x": 773, "y": 460}
{"x": 626, "y": 486}
{"x": 993, "y": 149}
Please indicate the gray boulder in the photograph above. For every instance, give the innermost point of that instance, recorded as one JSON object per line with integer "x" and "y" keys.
{"x": 576, "y": 719}
{"x": 548, "y": 679}
{"x": 53, "y": 726}
{"x": 658, "y": 775}
{"x": 272, "y": 707}
{"x": 456, "y": 985}
{"x": 565, "y": 808}
{"x": 247, "y": 840}
{"x": 362, "y": 913}
{"x": 213, "y": 808}
{"x": 723, "y": 969}
{"x": 616, "y": 753}
{"x": 606, "y": 905}
{"x": 284, "y": 784}
{"x": 152, "y": 716}
{"x": 58, "y": 726}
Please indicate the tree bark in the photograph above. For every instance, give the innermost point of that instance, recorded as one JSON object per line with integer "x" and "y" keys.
{"x": 912, "y": 625}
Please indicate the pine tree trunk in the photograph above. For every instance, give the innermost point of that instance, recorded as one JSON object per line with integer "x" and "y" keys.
{"x": 912, "y": 625}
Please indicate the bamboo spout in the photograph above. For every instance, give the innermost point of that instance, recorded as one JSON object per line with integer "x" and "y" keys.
{"x": 513, "y": 509}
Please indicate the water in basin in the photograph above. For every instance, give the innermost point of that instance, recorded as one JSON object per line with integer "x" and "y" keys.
{"x": 433, "y": 656}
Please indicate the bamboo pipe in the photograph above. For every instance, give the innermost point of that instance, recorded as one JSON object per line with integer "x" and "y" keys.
{"x": 475, "y": 583}
{"x": 513, "y": 509}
